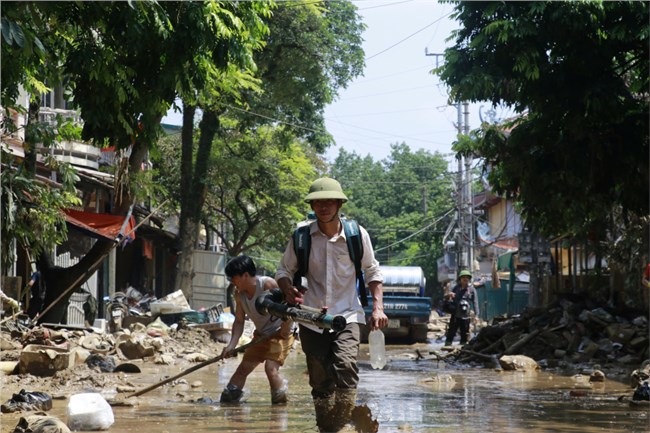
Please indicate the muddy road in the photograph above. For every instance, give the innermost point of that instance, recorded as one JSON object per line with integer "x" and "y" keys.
{"x": 406, "y": 396}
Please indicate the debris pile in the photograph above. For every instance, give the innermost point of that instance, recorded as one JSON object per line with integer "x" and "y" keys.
{"x": 567, "y": 332}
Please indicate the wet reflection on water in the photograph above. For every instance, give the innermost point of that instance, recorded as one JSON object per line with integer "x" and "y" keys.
{"x": 401, "y": 397}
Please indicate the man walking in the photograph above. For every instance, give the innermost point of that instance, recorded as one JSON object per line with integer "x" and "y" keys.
{"x": 332, "y": 282}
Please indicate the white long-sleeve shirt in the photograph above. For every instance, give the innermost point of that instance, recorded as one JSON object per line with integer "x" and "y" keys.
{"x": 331, "y": 277}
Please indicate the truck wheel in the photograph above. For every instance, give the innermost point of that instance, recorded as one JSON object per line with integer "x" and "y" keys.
{"x": 418, "y": 334}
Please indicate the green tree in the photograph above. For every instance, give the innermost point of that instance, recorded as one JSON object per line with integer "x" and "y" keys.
{"x": 312, "y": 50}
{"x": 402, "y": 201}
{"x": 256, "y": 183}
{"x": 123, "y": 88}
{"x": 577, "y": 73}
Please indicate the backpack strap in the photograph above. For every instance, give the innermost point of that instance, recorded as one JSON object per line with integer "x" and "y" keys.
{"x": 302, "y": 247}
{"x": 355, "y": 248}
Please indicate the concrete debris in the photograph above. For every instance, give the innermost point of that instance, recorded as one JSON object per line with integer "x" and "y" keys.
{"x": 518, "y": 362}
{"x": 42, "y": 360}
{"x": 567, "y": 332}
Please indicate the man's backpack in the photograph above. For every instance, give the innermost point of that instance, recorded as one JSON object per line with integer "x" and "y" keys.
{"x": 302, "y": 247}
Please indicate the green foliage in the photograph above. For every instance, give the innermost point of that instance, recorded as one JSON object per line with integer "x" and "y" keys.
{"x": 313, "y": 49}
{"x": 578, "y": 74}
{"x": 31, "y": 210}
{"x": 401, "y": 201}
{"x": 25, "y": 45}
{"x": 256, "y": 185}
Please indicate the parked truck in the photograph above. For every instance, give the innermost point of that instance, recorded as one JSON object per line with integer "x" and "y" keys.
{"x": 407, "y": 308}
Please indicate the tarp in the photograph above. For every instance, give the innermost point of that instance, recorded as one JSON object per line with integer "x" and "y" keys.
{"x": 99, "y": 225}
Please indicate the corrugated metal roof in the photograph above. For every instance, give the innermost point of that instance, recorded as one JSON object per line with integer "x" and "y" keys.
{"x": 403, "y": 276}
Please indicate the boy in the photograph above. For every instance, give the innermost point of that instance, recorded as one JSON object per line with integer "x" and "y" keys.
{"x": 241, "y": 272}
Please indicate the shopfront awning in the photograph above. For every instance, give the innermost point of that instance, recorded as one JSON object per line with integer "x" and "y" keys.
{"x": 100, "y": 226}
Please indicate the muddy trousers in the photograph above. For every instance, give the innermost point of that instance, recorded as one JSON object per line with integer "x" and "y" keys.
{"x": 333, "y": 373}
{"x": 335, "y": 411}
{"x": 455, "y": 324}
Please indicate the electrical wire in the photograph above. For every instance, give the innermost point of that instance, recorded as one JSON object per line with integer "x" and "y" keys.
{"x": 408, "y": 37}
{"x": 416, "y": 232}
{"x": 383, "y": 6}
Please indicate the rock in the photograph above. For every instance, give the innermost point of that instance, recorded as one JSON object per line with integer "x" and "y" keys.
{"x": 7, "y": 367}
{"x": 6, "y": 344}
{"x": 196, "y": 357}
{"x": 629, "y": 359}
{"x": 164, "y": 359}
{"x": 40, "y": 424}
{"x": 135, "y": 349}
{"x": 125, "y": 388}
{"x": 589, "y": 349}
{"x": 518, "y": 362}
{"x": 440, "y": 378}
{"x": 620, "y": 332}
{"x": 597, "y": 376}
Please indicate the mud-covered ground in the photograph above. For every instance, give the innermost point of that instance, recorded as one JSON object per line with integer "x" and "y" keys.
{"x": 421, "y": 389}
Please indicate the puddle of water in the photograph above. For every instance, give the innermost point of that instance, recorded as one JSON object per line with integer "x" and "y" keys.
{"x": 478, "y": 401}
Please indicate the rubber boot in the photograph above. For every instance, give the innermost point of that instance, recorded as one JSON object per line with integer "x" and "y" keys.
{"x": 232, "y": 394}
{"x": 344, "y": 402}
{"x": 325, "y": 417}
{"x": 279, "y": 396}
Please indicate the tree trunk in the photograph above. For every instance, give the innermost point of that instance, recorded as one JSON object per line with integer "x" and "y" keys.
{"x": 194, "y": 190}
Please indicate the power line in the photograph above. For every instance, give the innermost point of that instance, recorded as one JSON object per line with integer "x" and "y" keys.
{"x": 366, "y": 80}
{"x": 429, "y": 86}
{"x": 416, "y": 232}
{"x": 383, "y": 6}
{"x": 386, "y": 133}
{"x": 408, "y": 37}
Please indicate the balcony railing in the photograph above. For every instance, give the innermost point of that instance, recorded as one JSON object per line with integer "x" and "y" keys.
{"x": 48, "y": 115}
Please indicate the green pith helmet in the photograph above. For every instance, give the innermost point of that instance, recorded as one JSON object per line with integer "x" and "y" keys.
{"x": 465, "y": 273}
{"x": 325, "y": 188}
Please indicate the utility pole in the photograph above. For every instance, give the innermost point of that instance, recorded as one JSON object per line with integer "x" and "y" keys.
{"x": 460, "y": 201}
{"x": 464, "y": 232}
{"x": 469, "y": 199}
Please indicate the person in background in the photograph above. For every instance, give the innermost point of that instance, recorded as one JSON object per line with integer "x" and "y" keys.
{"x": 331, "y": 281}
{"x": 9, "y": 301}
{"x": 36, "y": 287}
{"x": 241, "y": 271}
{"x": 464, "y": 297}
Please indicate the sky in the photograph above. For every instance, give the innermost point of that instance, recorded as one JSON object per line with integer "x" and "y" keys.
{"x": 398, "y": 99}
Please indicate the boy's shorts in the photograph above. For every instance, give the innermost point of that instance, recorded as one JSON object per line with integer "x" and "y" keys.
{"x": 274, "y": 349}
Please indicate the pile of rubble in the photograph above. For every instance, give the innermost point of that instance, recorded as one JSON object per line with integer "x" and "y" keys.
{"x": 43, "y": 358}
{"x": 578, "y": 335}
{"x": 567, "y": 332}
